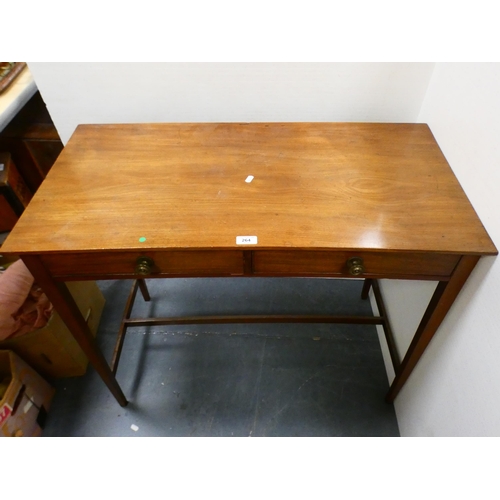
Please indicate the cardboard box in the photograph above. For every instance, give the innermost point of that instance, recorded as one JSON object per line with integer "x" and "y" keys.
{"x": 26, "y": 398}
{"x": 52, "y": 351}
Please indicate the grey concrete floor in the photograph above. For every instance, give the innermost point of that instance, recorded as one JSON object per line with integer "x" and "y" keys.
{"x": 234, "y": 380}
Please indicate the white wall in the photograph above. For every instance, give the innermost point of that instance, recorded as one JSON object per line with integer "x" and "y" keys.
{"x": 182, "y": 92}
{"x": 455, "y": 388}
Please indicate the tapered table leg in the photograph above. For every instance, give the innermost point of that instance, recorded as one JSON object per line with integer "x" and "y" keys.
{"x": 144, "y": 290}
{"x": 64, "y": 304}
{"x": 366, "y": 288}
{"x": 443, "y": 298}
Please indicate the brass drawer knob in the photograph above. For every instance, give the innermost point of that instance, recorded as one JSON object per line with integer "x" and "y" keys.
{"x": 355, "y": 266}
{"x": 144, "y": 265}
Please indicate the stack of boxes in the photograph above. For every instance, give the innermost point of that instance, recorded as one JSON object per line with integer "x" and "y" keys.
{"x": 52, "y": 351}
{"x": 24, "y": 397}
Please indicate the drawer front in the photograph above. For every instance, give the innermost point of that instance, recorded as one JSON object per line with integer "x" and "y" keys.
{"x": 335, "y": 263}
{"x": 165, "y": 263}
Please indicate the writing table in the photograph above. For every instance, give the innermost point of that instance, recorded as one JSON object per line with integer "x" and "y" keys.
{"x": 341, "y": 200}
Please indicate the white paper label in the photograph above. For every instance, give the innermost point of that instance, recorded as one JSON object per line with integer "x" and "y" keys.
{"x": 27, "y": 406}
{"x": 246, "y": 240}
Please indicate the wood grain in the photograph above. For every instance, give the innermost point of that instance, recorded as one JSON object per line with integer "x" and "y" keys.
{"x": 384, "y": 187}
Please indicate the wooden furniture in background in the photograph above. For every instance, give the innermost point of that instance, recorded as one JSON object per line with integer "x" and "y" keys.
{"x": 32, "y": 141}
{"x": 326, "y": 200}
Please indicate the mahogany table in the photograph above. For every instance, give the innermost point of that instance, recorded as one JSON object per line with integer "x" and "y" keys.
{"x": 331, "y": 200}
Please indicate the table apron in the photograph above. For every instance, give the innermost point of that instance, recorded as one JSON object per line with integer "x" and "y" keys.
{"x": 257, "y": 263}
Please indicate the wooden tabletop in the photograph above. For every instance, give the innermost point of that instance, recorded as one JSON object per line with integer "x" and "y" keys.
{"x": 364, "y": 186}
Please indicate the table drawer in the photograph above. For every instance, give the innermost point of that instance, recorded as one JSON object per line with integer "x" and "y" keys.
{"x": 333, "y": 263}
{"x": 164, "y": 263}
